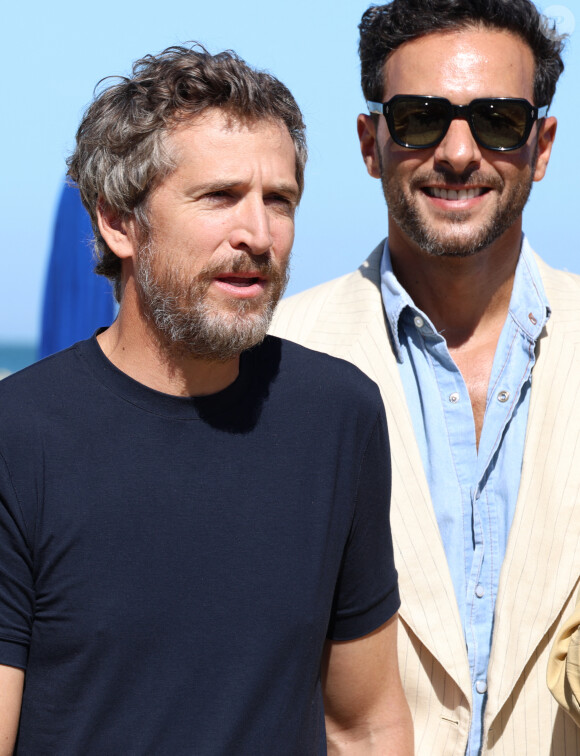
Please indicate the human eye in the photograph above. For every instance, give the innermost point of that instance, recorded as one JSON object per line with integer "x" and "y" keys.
{"x": 281, "y": 203}
{"x": 217, "y": 194}
{"x": 422, "y": 118}
{"x": 501, "y": 121}
{"x": 503, "y": 124}
{"x": 416, "y": 117}
{"x": 282, "y": 194}
{"x": 278, "y": 199}
{"x": 218, "y": 197}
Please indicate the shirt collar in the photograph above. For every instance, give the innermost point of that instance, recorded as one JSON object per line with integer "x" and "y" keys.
{"x": 529, "y": 306}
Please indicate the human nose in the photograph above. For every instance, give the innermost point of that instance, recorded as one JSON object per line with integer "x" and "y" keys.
{"x": 458, "y": 150}
{"x": 252, "y": 232}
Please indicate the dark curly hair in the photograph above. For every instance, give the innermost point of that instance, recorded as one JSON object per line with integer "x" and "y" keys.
{"x": 120, "y": 153}
{"x": 383, "y": 28}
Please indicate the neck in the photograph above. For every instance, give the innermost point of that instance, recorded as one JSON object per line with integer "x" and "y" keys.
{"x": 131, "y": 345}
{"x": 461, "y": 296}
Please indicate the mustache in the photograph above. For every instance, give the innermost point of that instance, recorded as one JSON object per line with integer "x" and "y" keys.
{"x": 468, "y": 178}
{"x": 242, "y": 264}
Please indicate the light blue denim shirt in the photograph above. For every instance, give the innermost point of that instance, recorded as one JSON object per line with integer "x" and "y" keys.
{"x": 474, "y": 492}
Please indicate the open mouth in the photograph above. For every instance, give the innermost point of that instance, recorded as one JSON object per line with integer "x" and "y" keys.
{"x": 240, "y": 281}
{"x": 439, "y": 192}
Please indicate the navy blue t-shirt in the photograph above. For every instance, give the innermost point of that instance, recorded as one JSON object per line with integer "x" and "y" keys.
{"x": 171, "y": 567}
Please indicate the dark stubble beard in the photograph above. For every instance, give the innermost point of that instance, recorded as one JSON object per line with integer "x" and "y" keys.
{"x": 453, "y": 241}
{"x": 185, "y": 319}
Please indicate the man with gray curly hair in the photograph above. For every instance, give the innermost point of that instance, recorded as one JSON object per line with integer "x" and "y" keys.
{"x": 196, "y": 553}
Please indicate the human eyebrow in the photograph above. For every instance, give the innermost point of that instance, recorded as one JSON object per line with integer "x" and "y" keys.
{"x": 212, "y": 187}
{"x": 285, "y": 190}
{"x": 288, "y": 191}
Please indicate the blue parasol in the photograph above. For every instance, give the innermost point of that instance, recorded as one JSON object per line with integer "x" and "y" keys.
{"x": 76, "y": 300}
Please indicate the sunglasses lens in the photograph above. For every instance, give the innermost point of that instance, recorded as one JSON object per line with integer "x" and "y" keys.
{"x": 418, "y": 121}
{"x": 500, "y": 125}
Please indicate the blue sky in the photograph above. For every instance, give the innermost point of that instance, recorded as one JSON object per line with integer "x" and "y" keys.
{"x": 53, "y": 55}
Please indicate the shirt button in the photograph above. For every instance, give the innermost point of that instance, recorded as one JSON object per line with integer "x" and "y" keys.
{"x": 419, "y": 322}
{"x": 481, "y": 686}
{"x": 454, "y": 397}
{"x": 503, "y": 396}
{"x": 479, "y": 591}
{"x": 532, "y": 319}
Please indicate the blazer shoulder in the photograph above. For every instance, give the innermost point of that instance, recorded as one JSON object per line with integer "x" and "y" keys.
{"x": 298, "y": 315}
{"x": 314, "y": 298}
{"x": 559, "y": 284}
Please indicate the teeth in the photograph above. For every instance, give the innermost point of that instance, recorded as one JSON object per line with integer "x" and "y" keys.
{"x": 452, "y": 194}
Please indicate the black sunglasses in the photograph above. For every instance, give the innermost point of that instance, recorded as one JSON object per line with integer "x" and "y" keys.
{"x": 420, "y": 121}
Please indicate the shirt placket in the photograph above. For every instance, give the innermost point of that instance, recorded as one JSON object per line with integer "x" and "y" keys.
{"x": 460, "y": 429}
{"x": 473, "y": 469}
{"x": 506, "y": 384}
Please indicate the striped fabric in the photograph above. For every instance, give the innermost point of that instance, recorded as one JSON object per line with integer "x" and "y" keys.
{"x": 540, "y": 576}
{"x": 564, "y": 666}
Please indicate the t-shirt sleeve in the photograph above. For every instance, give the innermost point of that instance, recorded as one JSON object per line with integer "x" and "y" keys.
{"x": 367, "y": 593}
{"x": 16, "y": 583}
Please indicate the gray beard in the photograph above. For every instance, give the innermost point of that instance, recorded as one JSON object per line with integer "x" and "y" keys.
{"x": 186, "y": 323}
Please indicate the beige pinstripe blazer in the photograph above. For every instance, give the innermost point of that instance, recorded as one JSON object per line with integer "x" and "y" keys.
{"x": 541, "y": 573}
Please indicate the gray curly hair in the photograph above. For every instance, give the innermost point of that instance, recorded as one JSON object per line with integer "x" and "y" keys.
{"x": 121, "y": 153}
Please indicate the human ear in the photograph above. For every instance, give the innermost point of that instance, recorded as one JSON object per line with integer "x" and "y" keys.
{"x": 117, "y": 231}
{"x": 367, "y": 133}
{"x": 546, "y": 135}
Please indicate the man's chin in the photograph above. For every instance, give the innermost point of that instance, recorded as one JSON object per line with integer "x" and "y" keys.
{"x": 216, "y": 338}
{"x": 450, "y": 246}
{"x": 456, "y": 237}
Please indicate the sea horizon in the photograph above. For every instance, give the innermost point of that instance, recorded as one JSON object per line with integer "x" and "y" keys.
{"x": 16, "y": 355}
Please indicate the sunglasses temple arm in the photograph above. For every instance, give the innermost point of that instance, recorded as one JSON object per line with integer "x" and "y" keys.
{"x": 375, "y": 107}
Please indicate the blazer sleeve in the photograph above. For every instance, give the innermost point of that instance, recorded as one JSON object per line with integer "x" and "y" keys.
{"x": 563, "y": 674}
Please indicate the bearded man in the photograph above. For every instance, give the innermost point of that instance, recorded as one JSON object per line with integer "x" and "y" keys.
{"x": 196, "y": 555}
{"x": 473, "y": 340}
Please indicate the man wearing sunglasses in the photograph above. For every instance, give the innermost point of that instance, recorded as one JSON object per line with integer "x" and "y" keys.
{"x": 453, "y": 316}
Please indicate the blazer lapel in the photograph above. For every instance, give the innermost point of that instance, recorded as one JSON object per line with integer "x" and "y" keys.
{"x": 429, "y": 606}
{"x": 542, "y": 562}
